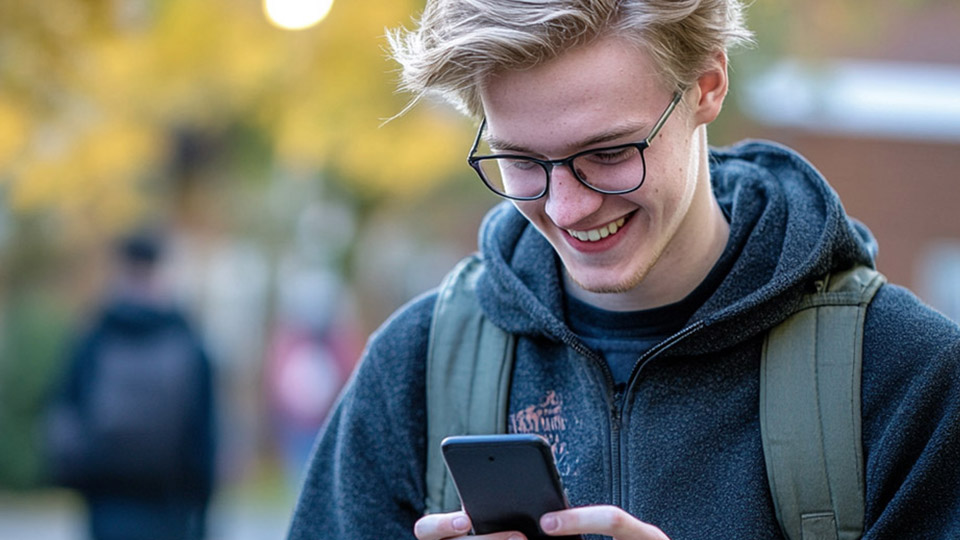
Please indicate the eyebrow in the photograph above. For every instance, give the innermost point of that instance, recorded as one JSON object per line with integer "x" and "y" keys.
{"x": 502, "y": 145}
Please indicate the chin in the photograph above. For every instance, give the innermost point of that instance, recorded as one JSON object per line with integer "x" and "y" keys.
{"x": 608, "y": 284}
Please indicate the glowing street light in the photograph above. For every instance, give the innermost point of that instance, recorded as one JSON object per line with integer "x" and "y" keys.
{"x": 296, "y": 14}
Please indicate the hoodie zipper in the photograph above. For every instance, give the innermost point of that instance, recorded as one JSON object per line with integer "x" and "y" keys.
{"x": 614, "y": 407}
{"x": 618, "y": 401}
{"x": 620, "y": 483}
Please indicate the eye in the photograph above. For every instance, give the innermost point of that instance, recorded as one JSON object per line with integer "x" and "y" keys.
{"x": 519, "y": 164}
{"x": 610, "y": 156}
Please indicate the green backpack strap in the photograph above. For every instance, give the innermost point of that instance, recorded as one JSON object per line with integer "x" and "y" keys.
{"x": 464, "y": 395}
{"x": 810, "y": 409}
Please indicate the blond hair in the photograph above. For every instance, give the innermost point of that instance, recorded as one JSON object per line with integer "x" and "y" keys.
{"x": 460, "y": 43}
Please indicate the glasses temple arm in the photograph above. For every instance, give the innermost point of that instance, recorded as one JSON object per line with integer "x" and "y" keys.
{"x": 476, "y": 142}
{"x": 666, "y": 114}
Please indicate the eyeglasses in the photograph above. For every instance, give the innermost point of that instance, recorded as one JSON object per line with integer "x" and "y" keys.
{"x": 612, "y": 170}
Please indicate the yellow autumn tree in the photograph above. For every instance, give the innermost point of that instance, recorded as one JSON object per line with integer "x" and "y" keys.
{"x": 91, "y": 90}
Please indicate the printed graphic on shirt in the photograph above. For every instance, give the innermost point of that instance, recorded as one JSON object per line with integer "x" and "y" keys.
{"x": 546, "y": 419}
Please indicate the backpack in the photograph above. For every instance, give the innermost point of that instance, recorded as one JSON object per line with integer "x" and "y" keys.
{"x": 810, "y": 367}
{"x": 131, "y": 426}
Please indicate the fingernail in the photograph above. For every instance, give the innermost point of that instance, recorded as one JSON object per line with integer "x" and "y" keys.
{"x": 516, "y": 537}
{"x": 549, "y": 524}
{"x": 460, "y": 523}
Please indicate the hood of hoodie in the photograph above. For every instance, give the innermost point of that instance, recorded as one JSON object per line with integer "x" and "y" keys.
{"x": 787, "y": 230}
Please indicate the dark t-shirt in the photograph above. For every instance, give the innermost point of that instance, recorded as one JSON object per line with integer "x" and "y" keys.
{"x": 622, "y": 337}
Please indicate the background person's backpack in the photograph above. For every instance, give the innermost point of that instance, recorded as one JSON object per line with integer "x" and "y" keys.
{"x": 811, "y": 429}
{"x": 130, "y": 427}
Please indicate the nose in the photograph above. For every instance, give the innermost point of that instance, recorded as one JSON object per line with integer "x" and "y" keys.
{"x": 568, "y": 201}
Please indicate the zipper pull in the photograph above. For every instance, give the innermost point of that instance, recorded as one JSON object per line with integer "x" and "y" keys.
{"x": 617, "y": 404}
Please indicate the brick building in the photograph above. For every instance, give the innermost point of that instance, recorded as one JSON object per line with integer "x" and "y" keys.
{"x": 882, "y": 123}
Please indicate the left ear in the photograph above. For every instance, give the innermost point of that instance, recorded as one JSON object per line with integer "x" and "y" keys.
{"x": 711, "y": 89}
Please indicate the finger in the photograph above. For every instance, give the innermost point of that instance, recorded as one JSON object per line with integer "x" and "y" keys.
{"x": 604, "y": 520}
{"x": 440, "y": 526}
{"x": 505, "y": 535}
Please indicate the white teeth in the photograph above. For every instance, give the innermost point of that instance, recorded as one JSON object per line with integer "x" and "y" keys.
{"x": 596, "y": 234}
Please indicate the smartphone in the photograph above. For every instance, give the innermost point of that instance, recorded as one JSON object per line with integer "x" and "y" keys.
{"x": 505, "y": 482}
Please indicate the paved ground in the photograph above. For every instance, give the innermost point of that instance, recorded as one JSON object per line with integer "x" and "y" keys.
{"x": 45, "y": 518}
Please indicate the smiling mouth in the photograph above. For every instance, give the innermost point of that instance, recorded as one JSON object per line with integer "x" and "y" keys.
{"x": 595, "y": 235}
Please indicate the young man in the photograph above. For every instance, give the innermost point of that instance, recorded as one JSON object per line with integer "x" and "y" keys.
{"x": 640, "y": 273}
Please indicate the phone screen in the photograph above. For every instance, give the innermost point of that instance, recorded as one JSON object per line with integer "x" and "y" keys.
{"x": 506, "y": 482}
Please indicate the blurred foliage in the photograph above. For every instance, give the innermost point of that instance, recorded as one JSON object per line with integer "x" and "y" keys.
{"x": 31, "y": 343}
{"x": 91, "y": 91}
{"x": 116, "y": 110}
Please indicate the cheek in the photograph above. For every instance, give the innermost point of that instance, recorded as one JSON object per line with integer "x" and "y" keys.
{"x": 670, "y": 179}
{"x": 532, "y": 210}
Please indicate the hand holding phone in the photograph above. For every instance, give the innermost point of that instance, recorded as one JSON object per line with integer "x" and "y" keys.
{"x": 505, "y": 482}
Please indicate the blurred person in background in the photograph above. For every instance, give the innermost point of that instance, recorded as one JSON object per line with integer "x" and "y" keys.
{"x": 640, "y": 273}
{"x": 132, "y": 427}
{"x": 313, "y": 350}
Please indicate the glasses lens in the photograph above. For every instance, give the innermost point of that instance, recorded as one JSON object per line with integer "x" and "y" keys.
{"x": 514, "y": 177}
{"x": 611, "y": 169}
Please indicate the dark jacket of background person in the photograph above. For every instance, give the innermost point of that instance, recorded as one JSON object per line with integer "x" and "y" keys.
{"x": 679, "y": 445}
{"x": 157, "y": 483}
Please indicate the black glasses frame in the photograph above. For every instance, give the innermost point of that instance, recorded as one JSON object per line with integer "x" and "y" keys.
{"x": 549, "y": 164}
